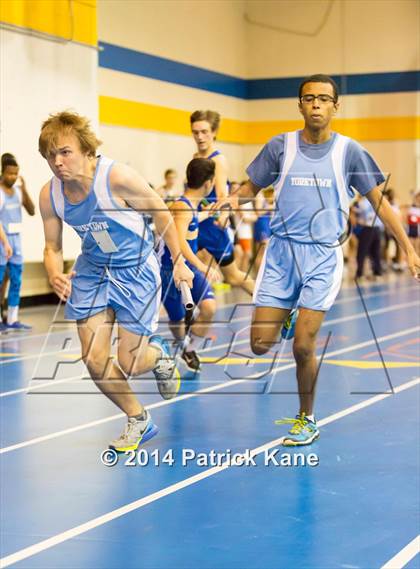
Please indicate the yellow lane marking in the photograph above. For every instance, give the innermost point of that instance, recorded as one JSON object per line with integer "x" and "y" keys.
{"x": 359, "y": 364}
{"x": 7, "y": 354}
{"x": 370, "y": 365}
{"x": 250, "y": 361}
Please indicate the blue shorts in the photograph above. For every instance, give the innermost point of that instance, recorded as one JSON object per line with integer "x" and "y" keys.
{"x": 216, "y": 240}
{"x": 132, "y": 292}
{"x": 262, "y": 231}
{"x": 297, "y": 274}
{"x": 171, "y": 296}
{"x": 15, "y": 241}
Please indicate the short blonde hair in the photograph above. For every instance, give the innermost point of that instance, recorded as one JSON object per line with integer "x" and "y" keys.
{"x": 67, "y": 122}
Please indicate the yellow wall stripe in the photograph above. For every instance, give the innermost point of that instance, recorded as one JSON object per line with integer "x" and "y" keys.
{"x": 73, "y": 20}
{"x": 362, "y": 129}
{"x": 382, "y": 128}
{"x": 144, "y": 116}
{"x": 131, "y": 114}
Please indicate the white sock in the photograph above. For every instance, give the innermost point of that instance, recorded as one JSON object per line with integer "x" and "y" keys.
{"x": 159, "y": 351}
{"x": 311, "y": 418}
{"x": 12, "y": 314}
{"x": 194, "y": 343}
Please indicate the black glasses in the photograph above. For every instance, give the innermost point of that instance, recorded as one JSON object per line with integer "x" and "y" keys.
{"x": 324, "y": 99}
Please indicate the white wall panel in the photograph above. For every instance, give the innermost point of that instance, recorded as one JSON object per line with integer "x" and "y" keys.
{"x": 207, "y": 33}
{"x": 39, "y": 77}
{"x": 152, "y": 152}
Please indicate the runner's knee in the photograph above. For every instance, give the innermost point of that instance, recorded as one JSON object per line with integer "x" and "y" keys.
{"x": 259, "y": 344}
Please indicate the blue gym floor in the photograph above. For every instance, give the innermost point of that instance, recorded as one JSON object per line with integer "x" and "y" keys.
{"x": 61, "y": 507}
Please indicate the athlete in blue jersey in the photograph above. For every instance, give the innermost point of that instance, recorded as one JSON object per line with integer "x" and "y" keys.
{"x": 200, "y": 178}
{"x": 13, "y": 196}
{"x": 214, "y": 235}
{"x": 313, "y": 172}
{"x": 116, "y": 277}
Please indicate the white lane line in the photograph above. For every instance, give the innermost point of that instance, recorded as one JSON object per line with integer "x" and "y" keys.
{"x": 48, "y": 383}
{"x": 356, "y": 316}
{"x": 137, "y": 504}
{"x": 70, "y": 324}
{"x": 12, "y": 337}
{"x": 383, "y": 310}
{"x": 14, "y": 359}
{"x": 71, "y": 329}
{"x": 30, "y": 388}
{"x": 194, "y": 394}
{"x": 406, "y": 554}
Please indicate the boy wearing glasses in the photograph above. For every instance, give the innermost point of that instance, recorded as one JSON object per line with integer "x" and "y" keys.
{"x": 314, "y": 172}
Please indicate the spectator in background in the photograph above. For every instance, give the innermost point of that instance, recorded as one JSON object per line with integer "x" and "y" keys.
{"x": 263, "y": 205}
{"x": 4, "y": 284}
{"x": 351, "y": 244}
{"x": 245, "y": 229}
{"x": 369, "y": 238}
{"x": 413, "y": 221}
{"x": 395, "y": 261}
{"x": 234, "y": 220}
{"x": 168, "y": 191}
{"x": 5, "y": 157}
{"x": 13, "y": 195}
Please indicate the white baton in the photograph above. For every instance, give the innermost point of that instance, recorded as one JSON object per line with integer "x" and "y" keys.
{"x": 187, "y": 300}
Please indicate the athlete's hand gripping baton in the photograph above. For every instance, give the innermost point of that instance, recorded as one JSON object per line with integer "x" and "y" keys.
{"x": 188, "y": 303}
{"x": 187, "y": 299}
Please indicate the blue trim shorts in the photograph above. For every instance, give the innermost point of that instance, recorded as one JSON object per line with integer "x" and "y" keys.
{"x": 299, "y": 275}
{"x": 132, "y": 292}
